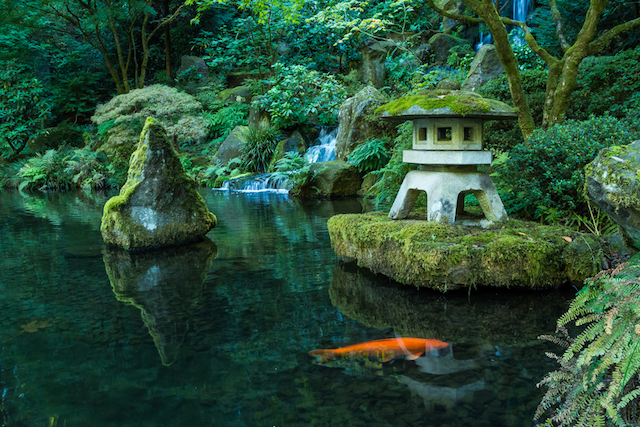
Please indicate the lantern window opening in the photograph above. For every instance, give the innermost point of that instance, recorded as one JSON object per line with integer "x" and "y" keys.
{"x": 444, "y": 133}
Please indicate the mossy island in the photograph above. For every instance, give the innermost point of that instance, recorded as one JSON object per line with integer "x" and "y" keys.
{"x": 445, "y": 257}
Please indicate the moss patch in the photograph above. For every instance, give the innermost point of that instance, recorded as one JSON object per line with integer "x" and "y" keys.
{"x": 445, "y": 257}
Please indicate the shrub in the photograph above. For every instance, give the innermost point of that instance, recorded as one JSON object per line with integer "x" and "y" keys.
{"x": 222, "y": 121}
{"x": 548, "y": 172}
{"x": 120, "y": 120}
{"x": 257, "y": 153}
{"x": 391, "y": 176}
{"x": 298, "y": 95}
{"x": 597, "y": 383}
{"x": 370, "y": 156}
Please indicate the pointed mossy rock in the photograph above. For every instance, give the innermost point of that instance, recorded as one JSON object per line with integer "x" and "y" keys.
{"x": 158, "y": 205}
{"x": 444, "y": 257}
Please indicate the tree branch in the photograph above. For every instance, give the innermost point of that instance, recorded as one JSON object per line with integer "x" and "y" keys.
{"x": 557, "y": 19}
{"x": 456, "y": 16}
{"x": 604, "y": 40}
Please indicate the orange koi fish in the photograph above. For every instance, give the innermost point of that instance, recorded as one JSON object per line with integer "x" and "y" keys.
{"x": 383, "y": 350}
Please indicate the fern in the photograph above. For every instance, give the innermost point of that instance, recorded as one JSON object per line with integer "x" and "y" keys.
{"x": 598, "y": 382}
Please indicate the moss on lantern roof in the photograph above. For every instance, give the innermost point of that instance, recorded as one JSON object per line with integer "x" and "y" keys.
{"x": 445, "y": 103}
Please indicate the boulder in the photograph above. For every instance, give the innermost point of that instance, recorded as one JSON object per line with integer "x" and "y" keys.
{"x": 612, "y": 183}
{"x": 231, "y": 147}
{"x": 445, "y": 257}
{"x": 372, "y": 69}
{"x": 193, "y": 64}
{"x": 485, "y": 66}
{"x": 236, "y": 94}
{"x": 440, "y": 46}
{"x": 158, "y": 205}
{"x": 357, "y": 122}
{"x": 331, "y": 179}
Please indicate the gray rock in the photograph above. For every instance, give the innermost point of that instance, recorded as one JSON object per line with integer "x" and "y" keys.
{"x": 193, "y": 64}
{"x": 232, "y": 146}
{"x": 158, "y": 205}
{"x": 485, "y": 66}
{"x": 372, "y": 69}
{"x": 331, "y": 179}
{"x": 441, "y": 44}
{"x": 612, "y": 184}
{"x": 357, "y": 122}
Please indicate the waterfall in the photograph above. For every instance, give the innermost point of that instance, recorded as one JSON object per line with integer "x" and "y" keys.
{"x": 324, "y": 151}
{"x": 520, "y": 11}
{"x": 256, "y": 184}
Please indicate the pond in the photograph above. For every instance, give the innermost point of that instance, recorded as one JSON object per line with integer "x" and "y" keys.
{"x": 218, "y": 333}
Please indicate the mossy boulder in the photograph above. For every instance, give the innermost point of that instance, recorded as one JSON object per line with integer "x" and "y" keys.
{"x": 158, "y": 205}
{"x": 441, "y": 45}
{"x": 333, "y": 179}
{"x": 358, "y": 123}
{"x": 445, "y": 103}
{"x": 446, "y": 257}
{"x": 485, "y": 66}
{"x": 232, "y": 146}
{"x": 612, "y": 182}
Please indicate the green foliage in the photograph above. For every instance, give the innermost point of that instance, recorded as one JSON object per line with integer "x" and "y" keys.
{"x": 527, "y": 58}
{"x": 122, "y": 118}
{"x": 391, "y": 176}
{"x": 298, "y": 95}
{"x": 24, "y": 108}
{"x": 428, "y": 77}
{"x": 294, "y": 168}
{"x": 215, "y": 175}
{"x": 370, "y": 156}
{"x": 221, "y": 122}
{"x": 504, "y": 134}
{"x": 598, "y": 381}
{"x": 548, "y": 171}
{"x": 65, "y": 169}
{"x": 257, "y": 153}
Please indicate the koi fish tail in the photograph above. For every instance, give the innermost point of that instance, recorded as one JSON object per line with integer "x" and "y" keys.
{"x": 322, "y": 355}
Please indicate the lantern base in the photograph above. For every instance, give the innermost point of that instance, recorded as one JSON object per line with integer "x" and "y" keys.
{"x": 445, "y": 196}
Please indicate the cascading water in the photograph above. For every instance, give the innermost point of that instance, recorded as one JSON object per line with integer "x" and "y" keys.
{"x": 266, "y": 182}
{"x": 520, "y": 11}
{"x": 326, "y": 150}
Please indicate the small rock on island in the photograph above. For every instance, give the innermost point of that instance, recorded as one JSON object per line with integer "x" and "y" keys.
{"x": 158, "y": 206}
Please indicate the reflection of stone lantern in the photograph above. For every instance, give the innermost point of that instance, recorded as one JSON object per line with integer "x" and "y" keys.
{"x": 447, "y": 144}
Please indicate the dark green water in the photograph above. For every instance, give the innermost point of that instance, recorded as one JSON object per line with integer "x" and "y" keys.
{"x": 217, "y": 334}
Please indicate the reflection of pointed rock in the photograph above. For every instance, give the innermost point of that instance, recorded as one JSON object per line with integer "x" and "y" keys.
{"x": 158, "y": 205}
{"x": 165, "y": 285}
{"x": 446, "y": 396}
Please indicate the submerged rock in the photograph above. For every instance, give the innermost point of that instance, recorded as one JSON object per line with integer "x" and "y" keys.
{"x": 446, "y": 257}
{"x": 612, "y": 183}
{"x": 158, "y": 205}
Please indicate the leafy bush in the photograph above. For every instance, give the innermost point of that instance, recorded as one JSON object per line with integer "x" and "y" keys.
{"x": 65, "y": 169}
{"x": 549, "y": 172}
{"x": 24, "y": 108}
{"x": 121, "y": 119}
{"x": 370, "y": 156}
{"x": 429, "y": 77}
{"x": 221, "y": 122}
{"x": 257, "y": 153}
{"x": 597, "y": 383}
{"x": 298, "y": 95}
{"x": 391, "y": 176}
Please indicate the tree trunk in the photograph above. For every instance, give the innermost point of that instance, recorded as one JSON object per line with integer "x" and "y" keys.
{"x": 167, "y": 41}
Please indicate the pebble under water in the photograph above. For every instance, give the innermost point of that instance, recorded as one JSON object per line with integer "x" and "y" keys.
{"x": 218, "y": 333}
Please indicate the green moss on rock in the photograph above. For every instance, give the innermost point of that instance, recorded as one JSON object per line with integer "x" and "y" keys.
{"x": 158, "y": 205}
{"x": 446, "y": 257}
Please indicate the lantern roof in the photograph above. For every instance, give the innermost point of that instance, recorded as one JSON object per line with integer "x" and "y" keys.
{"x": 446, "y": 103}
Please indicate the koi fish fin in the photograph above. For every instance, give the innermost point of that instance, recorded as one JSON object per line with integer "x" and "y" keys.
{"x": 322, "y": 355}
{"x": 414, "y": 356}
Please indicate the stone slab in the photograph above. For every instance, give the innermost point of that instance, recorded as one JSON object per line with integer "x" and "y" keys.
{"x": 424, "y": 157}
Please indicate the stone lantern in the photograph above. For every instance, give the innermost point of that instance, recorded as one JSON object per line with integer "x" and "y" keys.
{"x": 447, "y": 144}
